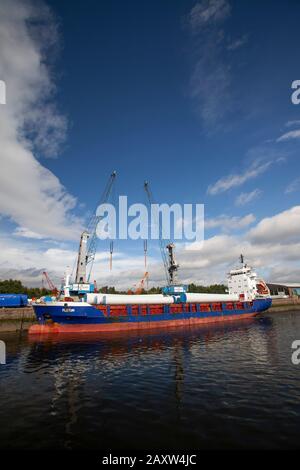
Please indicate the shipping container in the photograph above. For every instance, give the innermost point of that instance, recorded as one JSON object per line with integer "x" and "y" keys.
{"x": 13, "y": 300}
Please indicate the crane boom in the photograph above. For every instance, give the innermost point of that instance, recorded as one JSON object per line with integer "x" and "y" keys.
{"x": 170, "y": 265}
{"x": 88, "y": 240}
{"x": 51, "y": 286}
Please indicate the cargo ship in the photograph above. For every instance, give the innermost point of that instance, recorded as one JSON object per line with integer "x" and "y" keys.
{"x": 99, "y": 312}
{"x": 79, "y": 308}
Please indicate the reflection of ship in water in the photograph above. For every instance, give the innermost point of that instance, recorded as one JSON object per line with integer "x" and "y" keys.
{"x": 166, "y": 388}
{"x": 118, "y": 343}
{"x": 76, "y": 359}
{"x": 68, "y": 382}
{"x": 178, "y": 359}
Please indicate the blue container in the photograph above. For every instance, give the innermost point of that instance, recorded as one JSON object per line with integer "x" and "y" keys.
{"x": 13, "y": 300}
{"x": 24, "y": 300}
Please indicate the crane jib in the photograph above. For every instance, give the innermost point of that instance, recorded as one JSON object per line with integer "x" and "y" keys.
{"x": 88, "y": 240}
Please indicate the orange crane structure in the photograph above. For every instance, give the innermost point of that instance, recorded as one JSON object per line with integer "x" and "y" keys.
{"x": 140, "y": 287}
{"x": 51, "y": 286}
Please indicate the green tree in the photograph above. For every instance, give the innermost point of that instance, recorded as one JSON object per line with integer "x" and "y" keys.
{"x": 14, "y": 286}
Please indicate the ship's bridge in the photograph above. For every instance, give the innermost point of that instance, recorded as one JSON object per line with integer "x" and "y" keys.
{"x": 244, "y": 282}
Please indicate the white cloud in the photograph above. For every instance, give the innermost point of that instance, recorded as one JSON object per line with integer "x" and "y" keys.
{"x": 246, "y": 198}
{"x": 209, "y": 87}
{"x": 235, "y": 180}
{"x": 289, "y": 136}
{"x": 272, "y": 247}
{"x": 292, "y": 123}
{"x": 221, "y": 253}
{"x": 293, "y": 186}
{"x": 208, "y": 12}
{"x": 275, "y": 256}
{"x": 210, "y": 84}
{"x": 232, "y": 46}
{"x": 30, "y": 194}
{"x": 25, "y": 260}
{"x": 25, "y": 233}
{"x": 281, "y": 228}
{"x": 281, "y": 275}
{"x": 228, "y": 223}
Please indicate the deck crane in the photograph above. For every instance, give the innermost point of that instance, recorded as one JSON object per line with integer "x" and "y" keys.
{"x": 88, "y": 239}
{"x": 168, "y": 255}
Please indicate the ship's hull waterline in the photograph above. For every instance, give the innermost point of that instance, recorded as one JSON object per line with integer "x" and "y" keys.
{"x": 72, "y": 317}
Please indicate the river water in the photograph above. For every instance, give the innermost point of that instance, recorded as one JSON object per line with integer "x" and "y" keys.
{"x": 229, "y": 386}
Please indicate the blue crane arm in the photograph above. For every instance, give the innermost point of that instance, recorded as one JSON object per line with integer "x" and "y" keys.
{"x": 92, "y": 225}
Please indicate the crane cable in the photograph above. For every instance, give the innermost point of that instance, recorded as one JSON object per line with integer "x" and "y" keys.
{"x": 161, "y": 244}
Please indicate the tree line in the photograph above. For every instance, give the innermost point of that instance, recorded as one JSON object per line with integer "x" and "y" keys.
{"x": 13, "y": 286}
{"x": 212, "y": 289}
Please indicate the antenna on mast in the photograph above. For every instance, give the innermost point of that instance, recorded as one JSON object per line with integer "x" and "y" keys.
{"x": 145, "y": 252}
{"x": 111, "y": 249}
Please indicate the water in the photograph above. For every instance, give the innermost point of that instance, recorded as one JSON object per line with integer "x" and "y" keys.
{"x": 229, "y": 386}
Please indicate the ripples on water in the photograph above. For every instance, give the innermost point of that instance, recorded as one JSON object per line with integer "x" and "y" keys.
{"x": 229, "y": 386}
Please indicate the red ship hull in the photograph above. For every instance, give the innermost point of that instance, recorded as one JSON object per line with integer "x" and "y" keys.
{"x": 127, "y": 326}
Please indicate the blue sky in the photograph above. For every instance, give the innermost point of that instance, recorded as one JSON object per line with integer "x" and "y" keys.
{"x": 126, "y": 86}
{"x": 193, "y": 96}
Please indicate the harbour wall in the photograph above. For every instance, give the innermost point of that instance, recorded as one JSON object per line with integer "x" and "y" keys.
{"x": 285, "y": 305}
{"x": 16, "y": 319}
